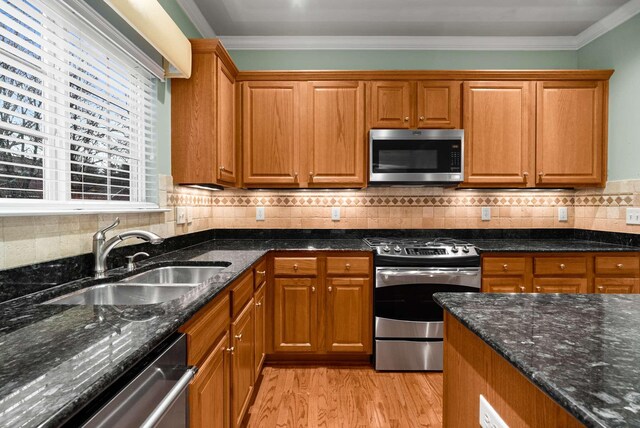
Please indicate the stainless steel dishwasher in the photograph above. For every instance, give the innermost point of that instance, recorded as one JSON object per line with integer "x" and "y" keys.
{"x": 157, "y": 397}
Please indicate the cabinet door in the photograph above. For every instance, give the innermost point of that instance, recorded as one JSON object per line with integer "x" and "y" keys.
{"x": 499, "y": 133}
{"x": 439, "y": 104}
{"x": 617, "y": 285}
{"x": 226, "y": 125}
{"x": 271, "y": 133}
{"x": 209, "y": 392}
{"x": 242, "y": 386}
{"x": 504, "y": 285}
{"x": 560, "y": 285}
{"x": 348, "y": 315}
{"x": 260, "y": 322}
{"x": 295, "y": 315}
{"x": 336, "y": 134}
{"x": 570, "y": 143}
{"x": 390, "y": 104}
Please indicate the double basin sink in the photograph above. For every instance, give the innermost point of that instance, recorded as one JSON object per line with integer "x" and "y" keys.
{"x": 157, "y": 285}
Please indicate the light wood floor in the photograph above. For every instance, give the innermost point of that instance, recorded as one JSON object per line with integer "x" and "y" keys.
{"x": 349, "y": 397}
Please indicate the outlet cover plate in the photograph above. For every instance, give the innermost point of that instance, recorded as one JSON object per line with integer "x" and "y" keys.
{"x": 563, "y": 214}
{"x": 486, "y": 213}
{"x": 335, "y": 213}
{"x": 181, "y": 215}
{"x": 259, "y": 213}
{"x": 633, "y": 215}
{"x": 489, "y": 418}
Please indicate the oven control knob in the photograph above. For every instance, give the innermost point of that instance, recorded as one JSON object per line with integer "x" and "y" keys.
{"x": 386, "y": 249}
{"x": 465, "y": 249}
{"x": 397, "y": 249}
{"x": 454, "y": 249}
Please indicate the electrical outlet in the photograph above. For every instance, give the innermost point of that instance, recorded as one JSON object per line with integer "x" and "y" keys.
{"x": 633, "y": 215}
{"x": 259, "y": 213}
{"x": 181, "y": 215}
{"x": 335, "y": 213}
{"x": 489, "y": 418}
{"x": 486, "y": 213}
{"x": 563, "y": 214}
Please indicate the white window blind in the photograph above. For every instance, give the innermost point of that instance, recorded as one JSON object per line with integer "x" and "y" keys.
{"x": 77, "y": 116}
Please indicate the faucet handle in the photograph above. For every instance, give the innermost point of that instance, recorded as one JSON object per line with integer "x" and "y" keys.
{"x": 131, "y": 260}
{"x": 113, "y": 225}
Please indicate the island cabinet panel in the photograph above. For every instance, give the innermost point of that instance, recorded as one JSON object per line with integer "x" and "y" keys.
{"x": 336, "y": 134}
{"x": 242, "y": 331}
{"x": 570, "y": 146}
{"x": 560, "y": 285}
{"x": 612, "y": 265}
{"x": 472, "y": 368}
{"x": 271, "y": 133}
{"x": 295, "y": 315}
{"x": 439, "y": 104}
{"x": 348, "y": 315}
{"x": 210, "y": 392}
{"x": 617, "y": 285}
{"x": 390, "y": 104}
{"x": 560, "y": 265}
{"x": 499, "y": 126}
{"x": 515, "y": 284}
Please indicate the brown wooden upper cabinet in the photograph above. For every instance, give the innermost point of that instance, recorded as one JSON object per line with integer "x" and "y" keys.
{"x": 499, "y": 126}
{"x": 203, "y": 119}
{"x": 409, "y": 104}
{"x": 336, "y": 134}
{"x": 535, "y": 134}
{"x": 304, "y": 134}
{"x": 570, "y": 133}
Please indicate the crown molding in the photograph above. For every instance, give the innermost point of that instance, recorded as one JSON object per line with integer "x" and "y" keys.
{"x": 608, "y": 23}
{"x": 196, "y": 17}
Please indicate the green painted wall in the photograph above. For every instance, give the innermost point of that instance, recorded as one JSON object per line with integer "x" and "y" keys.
{"x": 400, "y": 60}
{"x": 620, "y": 49}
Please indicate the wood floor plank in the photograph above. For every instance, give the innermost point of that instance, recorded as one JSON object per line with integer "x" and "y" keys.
{"x": 349, "y": 397}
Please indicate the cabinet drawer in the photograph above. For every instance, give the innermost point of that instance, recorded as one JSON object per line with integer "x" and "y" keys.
{"x": 617, "y": 285}
{"x": 295, "y": 266}
{"x": 560, "y": 265}
{"x": 560, "y": 285}
{"x": 504, "y": 266}
{"x": 260, "y": 274}
{"x": 241, "y": 293}
{"x": 611, "y": 265}
{"x": 504, "y": 285}
{"x": 205, "y": 327}
{"x": 348, "y": 266}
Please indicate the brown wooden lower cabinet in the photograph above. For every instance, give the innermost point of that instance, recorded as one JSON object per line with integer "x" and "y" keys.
{"x": 504, "y": 285}
{"x": 348, "y": 318}
{"x": 260, "y": 307}
{"x": 210, "y": 390}
{"x": 560, "y": 285}
{"x": 242, "y": 329}
{"x": 295, "y": 315}
{"x": 617, "y": 285}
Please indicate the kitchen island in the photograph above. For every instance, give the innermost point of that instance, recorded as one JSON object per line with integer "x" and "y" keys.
{"x": 542, "y": 359}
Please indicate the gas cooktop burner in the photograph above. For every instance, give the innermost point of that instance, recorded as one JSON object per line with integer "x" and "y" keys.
{"x": 417, "y": 250}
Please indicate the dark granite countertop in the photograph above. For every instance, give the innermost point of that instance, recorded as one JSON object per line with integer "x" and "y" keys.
{"x": 546, "y": 245}
{"x": 583, "y": 350}
{"x": 54, "y": 359}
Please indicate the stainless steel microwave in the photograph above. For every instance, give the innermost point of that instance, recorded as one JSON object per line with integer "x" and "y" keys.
{"x": 416, "y": 156}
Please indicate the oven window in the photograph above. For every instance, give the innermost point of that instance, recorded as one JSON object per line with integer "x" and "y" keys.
{"x": 412, "y": 302}
{"x": 415, "y": 156}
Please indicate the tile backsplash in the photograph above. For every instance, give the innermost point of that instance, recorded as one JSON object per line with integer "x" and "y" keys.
{"x": 28, "y": 240}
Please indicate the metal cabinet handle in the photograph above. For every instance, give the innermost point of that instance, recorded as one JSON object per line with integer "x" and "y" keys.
{"x": 421, "y": 117}
{"x": 347, "y": 266}
{"x": 541, "y": 174}
{"x": 525, "y": 176}
{"x": 600, "y": 288}
{"x": 313, "y": 289}
{"x": 505, "y": 267}
{"x": 295, "y": 176}
{"x": 619, "y": 265}
{"x": 262, "y": 272}
{"x": 538, "y": 288}
{"x": 230, "y": 350}
{"x": 522, "y": 289}
{"x": 562, "y": 266}
{"x": 311, "y": 174}
{"x": 406, "y": 118}
{"x": 330, "y": 289}
{"x": 221, "y": 168}
{"x": 239, "y": 337}
{"x": 258, "y": 304}
{"x": 295, "y": 267}
{"x": 166, "y": 403}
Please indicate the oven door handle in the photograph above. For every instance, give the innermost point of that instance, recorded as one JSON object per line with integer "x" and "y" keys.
{"x": 469, "y": 277}
{"x": 433, "y": 272}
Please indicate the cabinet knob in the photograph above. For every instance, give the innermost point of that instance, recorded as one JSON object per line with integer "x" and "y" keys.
{"x": 538, "y": 288}
{"x": 330, "y": 289}
{"x": 310, "y": 174}
{"x": 295, "y": 176}
{"x": 238, "y": 336}
{"x": 562, "y": 266}
{"x": 406, "y": 118}
{"x": 347, "y": 266}
{"x": 261, "y": 272}
{"x": 421, "y": 117}
{"x": 313, "y": 289}
{"x": 522, "y": 288}
{"x": 222, "y": 168}
{"x": 230, "y": 350}
{"x": 525, "y": 176}
{"x": 295, "y": 267}
{"x": 619, "y": 265}
{"x": 505, "y": 267}
{"x": 258, "y": 304}
{"x": 541, "y": 174}
{"x": 600, "y": 288}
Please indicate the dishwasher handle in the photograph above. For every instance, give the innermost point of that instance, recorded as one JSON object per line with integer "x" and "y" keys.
{"x": 166, "y": 403}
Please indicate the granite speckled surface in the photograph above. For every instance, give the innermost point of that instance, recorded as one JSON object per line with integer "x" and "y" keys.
{"x": 546, "y": 245}
{"x": 583, "y": 350}
{"x": 54, "y": 359}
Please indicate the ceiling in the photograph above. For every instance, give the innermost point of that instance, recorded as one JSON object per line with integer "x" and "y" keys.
{"x": 399, "y": 18}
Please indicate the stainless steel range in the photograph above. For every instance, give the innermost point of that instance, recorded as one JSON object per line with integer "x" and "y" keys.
{"x": 408, "y": 323}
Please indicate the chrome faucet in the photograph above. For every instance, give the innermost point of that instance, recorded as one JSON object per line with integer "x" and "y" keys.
{"x": 102, "y": 247}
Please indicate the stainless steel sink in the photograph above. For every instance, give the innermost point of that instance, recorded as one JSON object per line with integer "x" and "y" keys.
{"x": 176, "y": 275}
{"x": 123, "y": 294}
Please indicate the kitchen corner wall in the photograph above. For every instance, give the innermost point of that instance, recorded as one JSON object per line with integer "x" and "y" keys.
{"x": 34, "y": 239}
